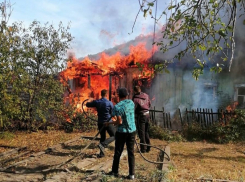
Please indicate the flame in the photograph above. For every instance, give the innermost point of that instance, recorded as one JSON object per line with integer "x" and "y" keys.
{"x": 232, "y": 107}
{"x": 78, "y": 73}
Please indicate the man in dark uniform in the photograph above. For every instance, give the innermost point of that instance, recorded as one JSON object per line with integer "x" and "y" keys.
{"x": 104, "y": 108}
{"x": 142, "y": 106}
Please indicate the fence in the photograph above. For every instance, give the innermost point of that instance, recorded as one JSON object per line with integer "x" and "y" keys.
{"x": 206, "y": 117}
{"x": 161, "y": 118}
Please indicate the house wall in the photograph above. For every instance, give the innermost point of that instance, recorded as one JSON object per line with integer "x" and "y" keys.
{"x": 178, "y": 89}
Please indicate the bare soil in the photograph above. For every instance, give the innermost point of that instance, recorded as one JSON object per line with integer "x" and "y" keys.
{"x": 190, "y": 160}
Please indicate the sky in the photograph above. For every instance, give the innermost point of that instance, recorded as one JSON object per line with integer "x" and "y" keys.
{"x": 96, "y": 25}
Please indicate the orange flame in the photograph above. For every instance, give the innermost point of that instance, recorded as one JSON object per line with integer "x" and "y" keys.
{"x": 86, "y": 78}
{"x": 232, "y": 107}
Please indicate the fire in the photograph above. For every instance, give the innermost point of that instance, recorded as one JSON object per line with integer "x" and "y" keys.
{"x": 86, "y": 78}
{"x": 232, "y": 107}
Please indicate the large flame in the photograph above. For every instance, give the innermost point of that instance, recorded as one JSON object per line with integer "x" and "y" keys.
{"x": 91, "y": 76}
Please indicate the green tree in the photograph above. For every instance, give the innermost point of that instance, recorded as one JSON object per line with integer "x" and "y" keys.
{"x": 44, "y": 48}
{"x": 203, "y": 29}
{"x": 31, "y": 59}
{"x": 9, "y": 49}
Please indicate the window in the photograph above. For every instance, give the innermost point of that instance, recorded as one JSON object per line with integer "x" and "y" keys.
{"x": 240, "y": 95}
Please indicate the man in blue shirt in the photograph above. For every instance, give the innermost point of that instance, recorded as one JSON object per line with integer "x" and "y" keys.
{"x": 126, "y": 131}
{"x": 104, "y": 108}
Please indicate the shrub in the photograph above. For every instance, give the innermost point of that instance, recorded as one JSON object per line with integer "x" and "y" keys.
{"x": 163, "y": 134}
{"x": 220, "y": 132}
{"x": 81, "y": 121}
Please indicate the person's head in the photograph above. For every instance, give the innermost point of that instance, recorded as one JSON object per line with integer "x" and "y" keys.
{"x": 137, "y": 89}
{"x": 104, "y": 93}
{"x": 122, "y": 93}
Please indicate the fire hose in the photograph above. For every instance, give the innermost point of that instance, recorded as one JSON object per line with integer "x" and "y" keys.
{"x": 137, "y": 144}
{"x": 81, "y": 153}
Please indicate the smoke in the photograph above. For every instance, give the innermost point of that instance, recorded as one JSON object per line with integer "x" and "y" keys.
{"x": 178, "y": 89}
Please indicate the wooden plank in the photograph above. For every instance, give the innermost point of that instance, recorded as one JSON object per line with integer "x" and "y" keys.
{"x": 170, "y": 125}
{"x": 15, "y": 157}
{"x": 166, "y": 159}
{"x": 11, "y": 152}
{"x": 84, "y": 163}
{"x": 104, "y": 166}
{"x": 180, "y": 117}
{"x": 37, "y": 154}
{"x": 90, "y": 137}
{"x": 71, "y": 141}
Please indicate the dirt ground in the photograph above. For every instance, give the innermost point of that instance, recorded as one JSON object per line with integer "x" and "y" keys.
{"x": 190, "y": 160}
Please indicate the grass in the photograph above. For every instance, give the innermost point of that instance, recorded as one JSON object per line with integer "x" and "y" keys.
{"x": 193, "y": 160}
{"x": 35, "y": 141}
{"x": 190, "y": 160}
{"x": 6, "y": 135}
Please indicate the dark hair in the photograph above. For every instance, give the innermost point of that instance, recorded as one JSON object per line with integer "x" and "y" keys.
{"x": 122, "y": 92}
{"x": 137, "y": 89}
{"x": 103, "y": 92}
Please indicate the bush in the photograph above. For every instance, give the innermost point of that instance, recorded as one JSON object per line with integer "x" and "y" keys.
{"x": 82, "y": 122}
{"x": 231, "y": 131}
{"x": 163, "y": 134}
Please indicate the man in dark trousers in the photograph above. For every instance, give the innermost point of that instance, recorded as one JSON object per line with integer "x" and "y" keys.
{"x": 104, "y": 108}
{"x": 126, "y": 131}
{"x": 142, "y": 106}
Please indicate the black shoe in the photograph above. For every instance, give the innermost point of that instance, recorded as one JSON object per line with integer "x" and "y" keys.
{"x": 148, "y": 149}
{"x": 100, "y": 155}
{"x": 102, "y": 149}
{"x": 130, "y": 177}
{"x": 111, "y": 173}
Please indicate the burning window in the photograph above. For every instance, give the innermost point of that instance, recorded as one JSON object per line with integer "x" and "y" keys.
{"x": 240, "y": 95}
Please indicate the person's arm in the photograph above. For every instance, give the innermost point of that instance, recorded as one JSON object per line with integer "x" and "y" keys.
{"x": 135, "y": 104}
{"x": 91, "y": 104}
{"x": 116, "y": 120}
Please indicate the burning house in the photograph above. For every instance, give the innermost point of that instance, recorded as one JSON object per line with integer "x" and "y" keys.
{"x": 130, "y": 64}
{"x": 87, "y": 77}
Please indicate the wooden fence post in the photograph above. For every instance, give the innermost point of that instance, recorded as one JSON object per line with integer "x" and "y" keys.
{"x": 163, "y": 115}
{"x": 187, "y": 119}
{"x": 170, "y": 125}
{"x": 180, "y": 117}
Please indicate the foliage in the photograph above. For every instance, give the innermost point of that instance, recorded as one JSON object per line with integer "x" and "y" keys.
{"x": 163, "y": 134}
{"x": 31, "y": 59}
{"x": 201, "y": 28}
{"x": 193, "y": 132}
{"x": 233, "y": 130}
{"x": 157, "y": 175}
{"x": 82, "y": 123}
{"x": 220, "y": 132}
{"x": 6, "y": 135}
